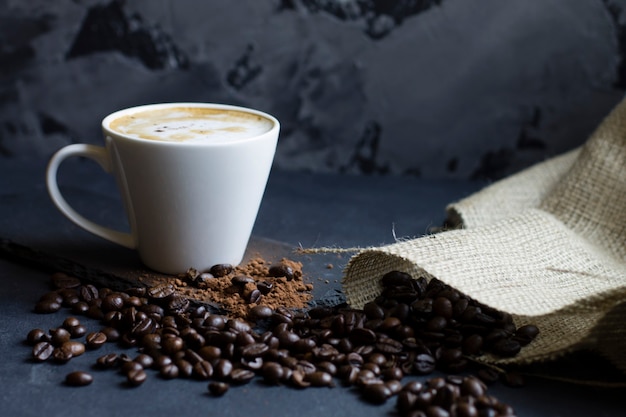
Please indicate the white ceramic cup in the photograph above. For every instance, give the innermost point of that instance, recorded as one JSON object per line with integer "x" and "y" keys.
{"x": 190, "y": 203}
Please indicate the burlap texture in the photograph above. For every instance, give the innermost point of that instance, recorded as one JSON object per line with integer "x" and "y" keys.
{"x": 511, "y": 195}
{"x": 547, "y": 245}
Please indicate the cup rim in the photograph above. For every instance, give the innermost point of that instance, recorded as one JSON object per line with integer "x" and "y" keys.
{"x": 105, "y": 124}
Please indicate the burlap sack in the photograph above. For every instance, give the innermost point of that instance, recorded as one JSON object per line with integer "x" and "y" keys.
{"x": 547, "y": 245}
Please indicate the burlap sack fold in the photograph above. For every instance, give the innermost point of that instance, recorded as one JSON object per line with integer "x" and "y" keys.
{"x": 555, "y": 258}
{"x": 511, "y": 195}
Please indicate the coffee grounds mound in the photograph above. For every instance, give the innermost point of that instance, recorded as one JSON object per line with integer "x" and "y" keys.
{"x": 241, "y": 288}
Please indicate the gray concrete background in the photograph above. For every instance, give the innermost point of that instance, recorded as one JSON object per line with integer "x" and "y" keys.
{"x": 436, "y": 89}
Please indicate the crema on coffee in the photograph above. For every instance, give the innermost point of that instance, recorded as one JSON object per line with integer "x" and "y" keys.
{"x": 191, "y": 124}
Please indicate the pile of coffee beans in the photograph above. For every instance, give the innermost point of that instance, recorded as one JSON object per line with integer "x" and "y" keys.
{"x": 414, "y": 327}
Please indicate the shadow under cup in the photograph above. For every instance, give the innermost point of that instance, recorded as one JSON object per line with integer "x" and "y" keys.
{"x": 191, "y": 175}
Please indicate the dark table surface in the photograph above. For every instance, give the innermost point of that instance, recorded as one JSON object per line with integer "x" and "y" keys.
{"x": 308, "y": 210}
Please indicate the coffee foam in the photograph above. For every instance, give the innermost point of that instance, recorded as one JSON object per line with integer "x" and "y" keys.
{"x": 191, "y": 124}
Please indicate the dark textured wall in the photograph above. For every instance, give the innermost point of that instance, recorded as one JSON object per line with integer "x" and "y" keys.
{"x": 433, "y": 88}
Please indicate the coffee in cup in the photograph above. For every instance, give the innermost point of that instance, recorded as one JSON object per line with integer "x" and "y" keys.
{"x": 192, "y": 124}
{"x": 191, "y": 176}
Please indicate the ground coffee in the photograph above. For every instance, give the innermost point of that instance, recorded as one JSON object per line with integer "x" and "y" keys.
{"x": 239, "y": 289}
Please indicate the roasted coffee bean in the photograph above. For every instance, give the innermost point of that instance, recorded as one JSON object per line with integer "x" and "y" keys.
{"x": 298, "y": 379}
{"x": 388, "y": 345}
{"x": 304, "y": 345}
{"x": 185, "y": 368}
{"x": 78, "y": 331}
{"x": 413, "y": 386}
{"x": 177, "y": 304}
{"x": 136, "y": 377}
{"x": 47, "y": 306}
{"x": 62, "y": 354}
{"x": 161, "y": 291}
{"x": 221, "y": 270}
{"x": 325, "y": 352}
{"x": 94, "y": 312}
{"x": 169, "y": 371}
{"x": 394, "y": 385}
{"x": 272, "y": 372}
{"x": 75, "y": 347}
{"x": 171, "y": 345}
{"x": 466, "y": 409}
{"x": 526, "y": 334}
{"x": 161, "y": 361}
{"x": 373, "y": 311}
{"x": 506, "y": 347}
{"x": 210, "y": 353}
{"x": 259, "y": 312}
{"x": 222, "y": 368}
{"x": 146, "y": 361}
{"x": 59, "y": 336}
{"x": 78, "y": 379}
{"x": 397, "y": 279}
{"x": 113, "y": 302}
{"x": 52, "y": 296}
{"x": 472, "y": 387}
{"x": 70, "y": 322}
{"x": 265, "y": 287}
{"x": 282, "y": 315}
{"x": 238, "y": 326}
{"x": 422, "y": 306}
{"x": 202, "y": 370}
{"x": 494, "y": 336}
{"x": 88, "y": 293}
{"x": 241, "y": 376}
{"x": 241, "y": 280}
{"x": 253, "y": 297}
{"x": 80, "y": 307}
{"x": 443, "y": 307}
{"x": 218, "y": 388}
{"x": 203, "y": 279}
{"x": 112, "y": 334}
{"x": 192, "y": 356}
{"x": 42, "y": 351}
{"x": 448, "y": 356}
{"x": 472, "y": 344}
{"x": 282, "y": 270}
{"x": 376, "y": 393}
{"x": 424, "y": 364}
{"x": 152, "y": 310}
{"x": 405, "y": 402}
{"x": 136, "y": 291}
{"x": 130, "y": 366}
{"x": 243, "y": 339}
{"x": 254, "y": 350}
{"x": 362, "y": 336}
{"x": 393, "y": 373}
{"x": 110, "y": 360}
{"x": 35, "y": 336}
{"x": 95, "y": 340}
{"x": 372, "y": 367}
{"x": 70, "y": 297}
{"x": 320, "y": 379}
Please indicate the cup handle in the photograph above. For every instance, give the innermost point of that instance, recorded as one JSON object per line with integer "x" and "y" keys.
{"x": 101, "y": 156}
